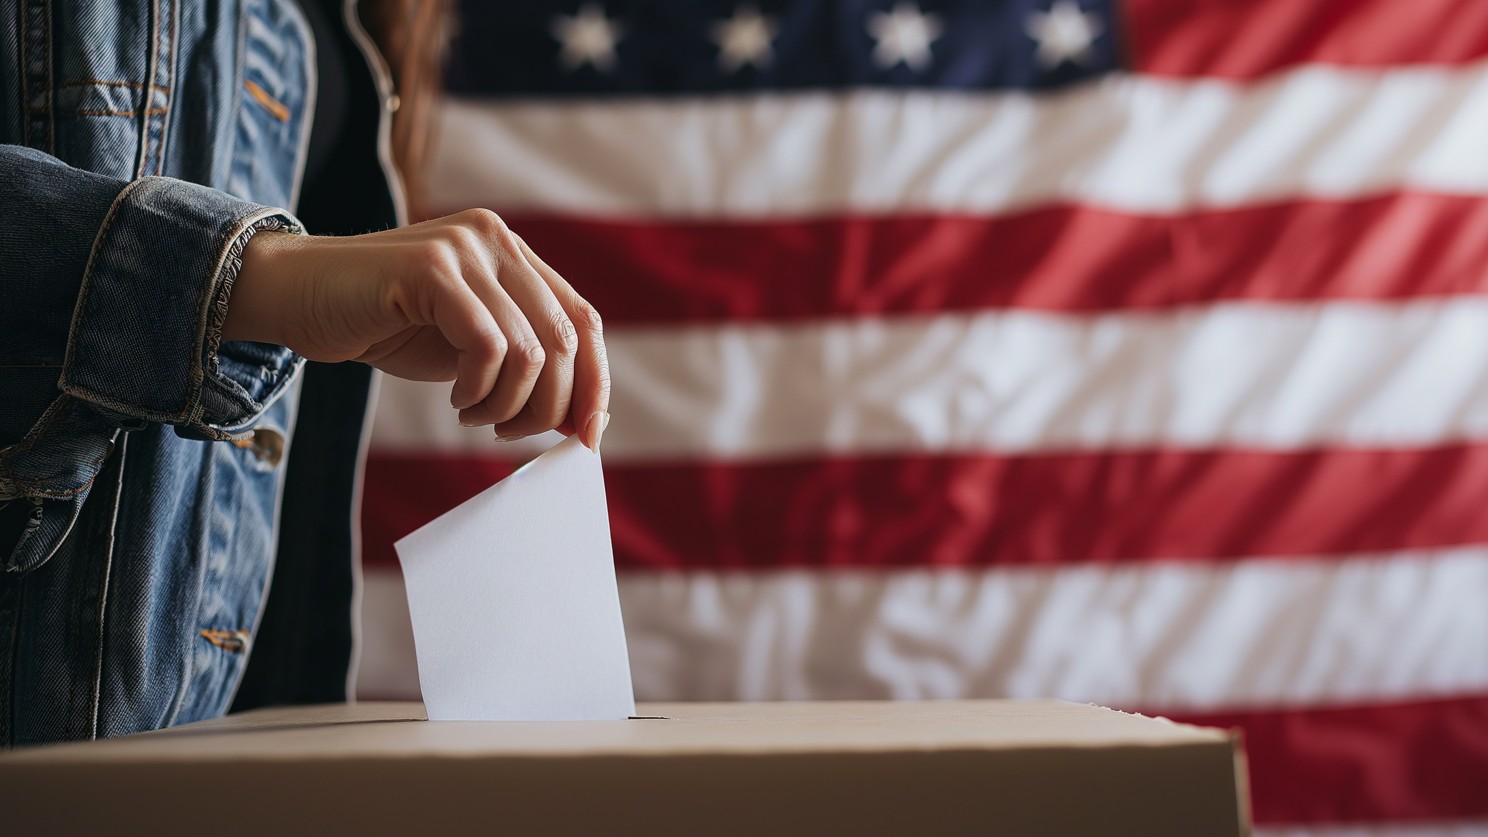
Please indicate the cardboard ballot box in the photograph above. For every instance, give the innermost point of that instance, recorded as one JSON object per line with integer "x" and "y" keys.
{"x": 1020, "y": 768}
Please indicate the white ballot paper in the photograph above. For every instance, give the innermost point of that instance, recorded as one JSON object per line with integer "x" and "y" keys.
{"x": 515, "y": 611}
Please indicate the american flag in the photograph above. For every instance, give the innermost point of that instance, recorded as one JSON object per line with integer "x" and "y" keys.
{"x": 1127, "y": 352}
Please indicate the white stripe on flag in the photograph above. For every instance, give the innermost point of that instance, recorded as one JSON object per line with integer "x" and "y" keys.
{"x": 1266, "y": 376}
{"x": 1133, "y": 143}
{"x": 1170, "y": 636}
{"x": 1274, "y": 632}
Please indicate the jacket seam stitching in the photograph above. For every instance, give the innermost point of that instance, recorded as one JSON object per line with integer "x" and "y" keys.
{"x": 103, "y": 587}
{"x": 151, "y": 63}
{"x": 51, "y": 126}
{"x": 24, "y": 13}
{"x": 175, "y": 28}
{"x": 188, "y": 660}
{"x": 96, "y": 82}
{"x": 101, "y": 112}
{"x": 38, "y": 126}
{"x": 18, "y": 602}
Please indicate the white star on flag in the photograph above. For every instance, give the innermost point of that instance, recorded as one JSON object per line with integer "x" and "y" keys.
{"x": 1065, "y": 33}
{"x": 588, "y": 37}
{"x": 904, "y": 34}
{"x": 744, "y": 40}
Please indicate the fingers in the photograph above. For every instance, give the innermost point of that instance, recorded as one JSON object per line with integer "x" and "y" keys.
{"x": 588, "y": 412}
{"x": 534, "y": 385}
{"x": 471, "y": 330}
{"x": 525, "y": 355}
{"x": 549, "y": 402}
{"x": 530, "y": 351}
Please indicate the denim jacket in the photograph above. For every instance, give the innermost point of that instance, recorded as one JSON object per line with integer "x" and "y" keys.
{"x": 142, "y": 458}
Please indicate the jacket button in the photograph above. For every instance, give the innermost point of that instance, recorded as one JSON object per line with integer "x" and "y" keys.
{"x": 266, "y": 443}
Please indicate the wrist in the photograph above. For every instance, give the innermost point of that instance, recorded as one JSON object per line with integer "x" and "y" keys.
{"x": 256, "y": 304}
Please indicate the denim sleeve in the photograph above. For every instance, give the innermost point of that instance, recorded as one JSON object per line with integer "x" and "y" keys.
{"x": 125, "y": 286}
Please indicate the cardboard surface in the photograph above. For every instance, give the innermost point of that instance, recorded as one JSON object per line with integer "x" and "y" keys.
{"x": 965, "y": 767}
{"x": 516, "y": 615}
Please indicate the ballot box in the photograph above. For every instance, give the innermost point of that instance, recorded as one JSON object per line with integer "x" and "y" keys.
{"x": 1019, "y": 768}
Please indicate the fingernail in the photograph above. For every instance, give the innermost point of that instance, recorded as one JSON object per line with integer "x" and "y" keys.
{"x": 597, "y": 424}
{"x": 511, "y": 438}
{"x": 469, "y": 424}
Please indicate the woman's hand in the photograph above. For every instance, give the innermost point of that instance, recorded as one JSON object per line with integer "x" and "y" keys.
{"x": 459, "y": 298}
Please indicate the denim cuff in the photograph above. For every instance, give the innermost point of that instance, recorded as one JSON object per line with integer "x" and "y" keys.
{"x": 146, "y": 336}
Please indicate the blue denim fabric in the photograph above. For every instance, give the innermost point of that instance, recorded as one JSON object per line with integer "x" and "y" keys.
{"x": 142, "y": 143}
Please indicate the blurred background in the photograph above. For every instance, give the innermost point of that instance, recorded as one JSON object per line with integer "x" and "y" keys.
{"x": 1126, "y": 352}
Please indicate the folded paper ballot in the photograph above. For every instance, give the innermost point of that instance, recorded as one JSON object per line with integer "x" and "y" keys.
{"x": 515, "y": 611}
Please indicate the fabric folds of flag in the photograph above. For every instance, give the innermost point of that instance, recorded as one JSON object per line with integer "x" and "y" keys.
{"x": 1133, "y": 353}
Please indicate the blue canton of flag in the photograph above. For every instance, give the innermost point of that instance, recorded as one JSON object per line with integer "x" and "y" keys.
{"x": 643, "y": 47}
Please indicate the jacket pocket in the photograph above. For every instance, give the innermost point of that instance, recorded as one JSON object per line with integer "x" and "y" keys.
{"x": 275, "y": 100}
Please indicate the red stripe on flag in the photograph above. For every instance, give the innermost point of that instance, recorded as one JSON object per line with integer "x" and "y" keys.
{"x": 1068, "y": 259}
{"x": 1425, "y": 760}
{"x": 1244, "y": 39}
{"x": 970, "y": 510}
